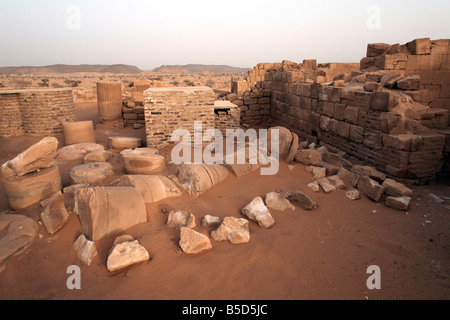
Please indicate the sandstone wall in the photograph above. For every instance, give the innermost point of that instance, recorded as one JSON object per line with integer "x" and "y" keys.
{"x": 35, "y": 112}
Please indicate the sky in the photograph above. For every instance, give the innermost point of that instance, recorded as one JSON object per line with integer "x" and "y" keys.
{"x": 239, "y": 33}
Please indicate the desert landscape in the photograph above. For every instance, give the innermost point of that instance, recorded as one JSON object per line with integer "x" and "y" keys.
{"x": 119, "y": 183}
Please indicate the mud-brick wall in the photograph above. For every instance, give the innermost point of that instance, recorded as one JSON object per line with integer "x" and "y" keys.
{"x": 358, "y": 123}
{"x": 169, "y": 109}
{"x": 35, "y": 112}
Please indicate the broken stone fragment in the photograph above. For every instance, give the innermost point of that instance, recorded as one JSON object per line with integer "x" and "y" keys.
{"x": 353, "y": 195}
{"x": 314, "y": 186}
{"x": 337, "y": 182}
{"x": 409, "y": 83}
{"x": 17, "y": 233}
{"x": 233, "y": 229}
{"x": 75, "y": 187}
{"x": 319, "y": 172}
{"x": 39, "y": 156}
{"x": 98, "y": 156}
{"x": 105, "y": 211}
{"x": 258, "y": 212}
{"x": 309, "y": 157}
{"x": 179, "y": 218}
{"x": 303, "y": 201}
{"x": 85, "y": 249}
{"x": 277, "y": 201}
{"x": 369, "y": 172}
{"x": 125, "y": 254}
{"x": 54, "y": 215}
{"x": 398, "y": 203}
{"x": 92, "y": 173}
{"x": 143, "y": 161}
{"x": 396, "y": 189}
{"x": 77, "y": 151}
{"x": 372, "y": 189}
{"x": 210, "y": 221}
{"x": 193, "y": 242}
{"x": 153, "y": 188}
{"x": 327, "y": 187}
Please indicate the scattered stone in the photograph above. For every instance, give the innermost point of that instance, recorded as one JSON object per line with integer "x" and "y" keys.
{"x": 92, "y": 173}
{"x": 353, "y": 195}
{"x": 436, "y": 198}
{"x": 303, "y": 201}
{"x": 152, "y": 188}
{"x": 396, "y": 189}
{"x": 409, "y": 83}
{"x": 355, "y": 178}
{"x": 196, "y": 179}
{"x": 55, "y": 214}
{"x": 75, "y": 187}
{"x": 284, "y": 193}
{"x": 85, "y": 249}
{"x": 314, "y": 186}
{"x": 98, "y": 156}
{"x": 17, "y": 233}
{"x": 235, "y": 230}
{"x": 370, "y": 188}
{"x": 179, "y": 218}
{"x": 103, "y": 211}
{"x": 257, "y": 211}
{"x": 77, "y": 151}
{"x": 369, "y": 172}
{"x": 125, "y": 254}
{"x": 309, "y": 157}
{"x": 192, "y": 242}
{"x": 143, "y": 161}
{"x": 39, "y": 156}
{"x": 398, "y": 203}
{"x": 319, "y": 172}
{"x": 210, "y": 221}
{"x": 277, "y": 201}
{"x": 337, "y": 182}
{"x": 327, "y": 187}
{"x": 122, "y": 143}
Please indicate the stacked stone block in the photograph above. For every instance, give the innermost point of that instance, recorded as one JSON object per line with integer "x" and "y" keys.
{"x": 35, "y": 112}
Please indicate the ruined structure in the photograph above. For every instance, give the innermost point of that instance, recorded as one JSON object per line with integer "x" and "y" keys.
{"x": 35, "y": 112}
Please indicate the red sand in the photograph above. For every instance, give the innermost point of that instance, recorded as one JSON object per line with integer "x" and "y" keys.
{"x": 320, "y": 254}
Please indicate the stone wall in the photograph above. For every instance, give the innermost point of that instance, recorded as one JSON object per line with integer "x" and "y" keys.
{"x": 35, "y": 112}
{"x": 226, "y": 116}
{"x": 168, "y": 109}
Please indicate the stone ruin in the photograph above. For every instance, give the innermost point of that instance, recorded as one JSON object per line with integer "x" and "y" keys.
{"x": 382, "y": 112}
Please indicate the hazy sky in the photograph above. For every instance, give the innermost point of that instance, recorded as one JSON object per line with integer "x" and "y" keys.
{"x": 239, "y": 33}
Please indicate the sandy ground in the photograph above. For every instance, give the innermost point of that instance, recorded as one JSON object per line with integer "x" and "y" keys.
{"x": 320, "y": 254}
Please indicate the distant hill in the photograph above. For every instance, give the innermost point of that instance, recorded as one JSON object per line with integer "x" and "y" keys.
{"x": 199, "y": 68}
{"x": 63, "y": 68}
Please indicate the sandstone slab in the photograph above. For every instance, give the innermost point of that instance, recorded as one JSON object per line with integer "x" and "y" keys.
{"x": 398, "y": 203}
{"x": 85, "y": 249}
{"x": 193, "y": 242}
{"x": 125, "y": 254}
{"x": 54, "y": 215}
{"x": 277, "y": 201}
{"x": 370, "y": 188}
{"x": 233, "y": 229}
{"x": 257, "y": 211}
{"x": 396, "y": 189}
{"x": 303, "y": 201}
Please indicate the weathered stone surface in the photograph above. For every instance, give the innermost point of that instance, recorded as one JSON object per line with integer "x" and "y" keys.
{"x": 303, "y": 201}
{"x": 25, "y": 191}
{"x": 337, "y": 182}
{"x": 122, "y": 143}
{"x": 39, "y": 156}
{"x": 17, "y": 233}
{"x": 319, "y": 172}
{"x": 152, "y": 188}
{"x": 370, "y": 188}
{"x": 309, "y": 157}
{"x": 125, "y": 254}
{"x": 257, "y": 211}
{"x": 376, "y": 49}
{"x": 105, "y": 211}
{"x": 193, "y": 242}
{"x": 284, "y": 141}
{"x": 353, "y": 195}
{"x": 54, "y": 215}
{"x": 210, "y": 221}
{"x": 143, "y": 161}
{"x": 98, "y": 156}
{"x": 314, "y": 186}
{"x": 77, "y": 151}
{"x": 85, "y": 249}
{"x": 327, "y": 187}
{"x": 92, "y": 173}
{"x": 390, "y": 79}
{"x": 293, "y": 149}
{"x": 398, "y": 203}
{"x": 240, "y": 170}
{"x": 396, "y": 189}
{"x": 196, "y": 179}
{"x": 179, "y": 218}
{"x": 409, "y": 83}
{"x": 233, "y": 229}
{"x": 277, "y": 201}
{"x": 369, "y": 172}
{"x": 284, "y": 193}
{"x": 75, "y": 187}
